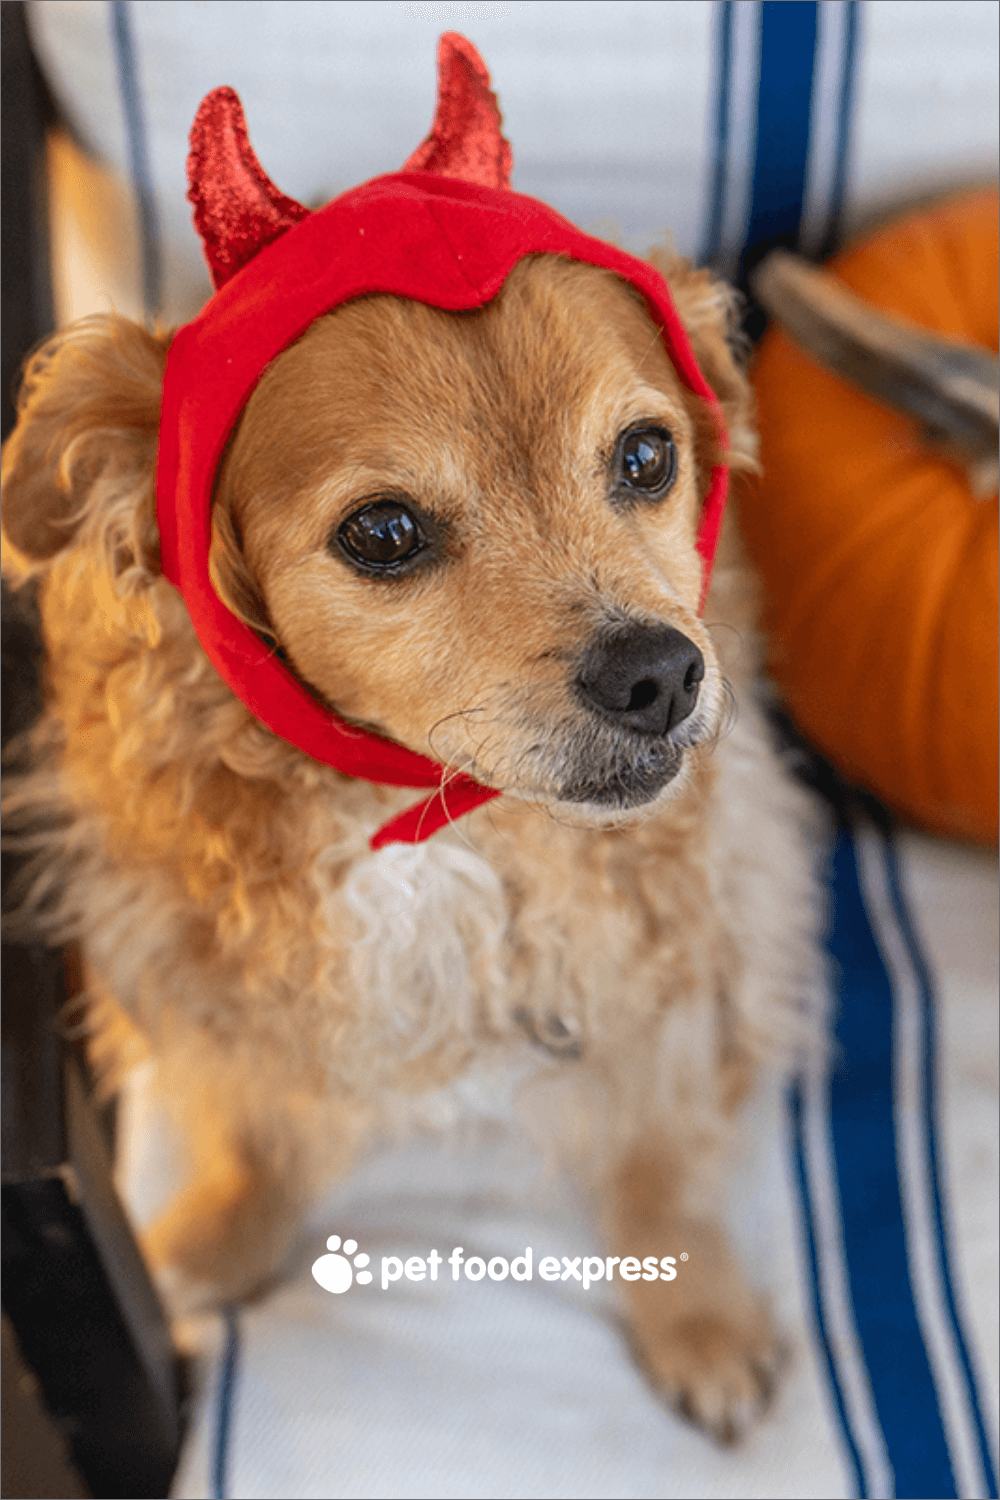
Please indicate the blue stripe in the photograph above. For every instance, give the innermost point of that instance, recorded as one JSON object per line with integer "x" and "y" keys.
{"x": 722, "y": 48}
{"x": 848, "y": 80}
{"x": 787, "y": 57}
{"x": 228, "y": 1376}
{"x": 795, "y": 1106}
{"x": 926, "y": 991}
{"x": 864, "y": 1143}
{"x": 142, "y": 182}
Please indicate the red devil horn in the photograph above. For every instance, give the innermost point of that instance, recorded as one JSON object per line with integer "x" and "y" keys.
{"x": 465, "y": 139}
{"x": 237, "y": 208}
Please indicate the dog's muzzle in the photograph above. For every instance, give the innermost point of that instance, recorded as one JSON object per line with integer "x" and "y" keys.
{"x": 638, "y": 684}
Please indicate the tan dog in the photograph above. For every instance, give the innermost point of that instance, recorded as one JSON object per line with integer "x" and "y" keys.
{"x": 474, "y": 532}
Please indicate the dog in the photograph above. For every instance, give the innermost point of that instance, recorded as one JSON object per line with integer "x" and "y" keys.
{"x": 473, "y": 533}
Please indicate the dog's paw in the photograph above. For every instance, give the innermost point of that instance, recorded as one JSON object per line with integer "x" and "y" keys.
{"x": 718, "y": 1370}
{"x": 218, "y": 1242}
{"x": 192, "y": 1285}
{"x": 183, "y": 1296}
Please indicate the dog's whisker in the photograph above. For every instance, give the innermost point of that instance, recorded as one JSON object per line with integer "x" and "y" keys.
{"x": 458, "y": 713}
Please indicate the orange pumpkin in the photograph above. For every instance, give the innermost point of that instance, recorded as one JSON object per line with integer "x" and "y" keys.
{"x": 880, "y": 566}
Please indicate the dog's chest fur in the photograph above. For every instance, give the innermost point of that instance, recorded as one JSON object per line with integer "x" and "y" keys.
{"x": 578, "y": 940}
{"x": 543, "y": 932}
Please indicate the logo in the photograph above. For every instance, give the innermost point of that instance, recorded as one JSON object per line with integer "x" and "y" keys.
{"x": 334, "y": 1272}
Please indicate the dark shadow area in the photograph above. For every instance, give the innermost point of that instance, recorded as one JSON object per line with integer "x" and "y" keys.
{"x": 91, "y": 1385}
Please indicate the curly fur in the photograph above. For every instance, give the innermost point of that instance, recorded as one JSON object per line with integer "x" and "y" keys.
{"x": 292, "y": 986}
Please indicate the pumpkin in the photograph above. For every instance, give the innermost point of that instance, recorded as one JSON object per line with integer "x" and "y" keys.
{"x": 879, "y": 563}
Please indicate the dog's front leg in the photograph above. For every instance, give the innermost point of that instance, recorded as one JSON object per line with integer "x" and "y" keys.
{"x": 703, "y": 1335}
{"x": 223, "y": 1236}
{"x": 253, "y": 1172}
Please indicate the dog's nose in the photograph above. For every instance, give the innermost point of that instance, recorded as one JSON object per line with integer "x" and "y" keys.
{"x": 647, "y": 677}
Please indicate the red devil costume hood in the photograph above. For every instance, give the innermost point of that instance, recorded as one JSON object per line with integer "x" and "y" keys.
{"x": 446, "y": 231}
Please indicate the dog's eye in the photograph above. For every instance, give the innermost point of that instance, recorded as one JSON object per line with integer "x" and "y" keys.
{"x": 648, "y": 460}
{"x": 381, "y": 535}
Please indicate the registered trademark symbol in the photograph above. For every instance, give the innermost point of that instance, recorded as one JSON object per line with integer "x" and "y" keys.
{"x": 683, "y": 1255}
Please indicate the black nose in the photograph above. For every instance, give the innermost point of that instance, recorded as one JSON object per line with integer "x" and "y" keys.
{"x": 646, "y": 677}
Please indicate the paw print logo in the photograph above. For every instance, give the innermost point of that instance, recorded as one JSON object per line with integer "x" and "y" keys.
{"x": 333, "y": 1272}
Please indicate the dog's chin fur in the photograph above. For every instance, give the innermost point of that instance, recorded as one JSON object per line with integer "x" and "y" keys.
{"x": 638, "y": 775}
{"x": 643, "y": 910}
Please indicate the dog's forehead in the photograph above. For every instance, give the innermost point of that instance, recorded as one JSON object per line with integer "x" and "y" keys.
{"x": 562, "y": 356}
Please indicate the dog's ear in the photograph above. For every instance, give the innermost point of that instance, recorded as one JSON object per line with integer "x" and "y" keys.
{"x": 709, "y": 310}
{"x": 229, "y": 571}
{"x": 80, "y": 466}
